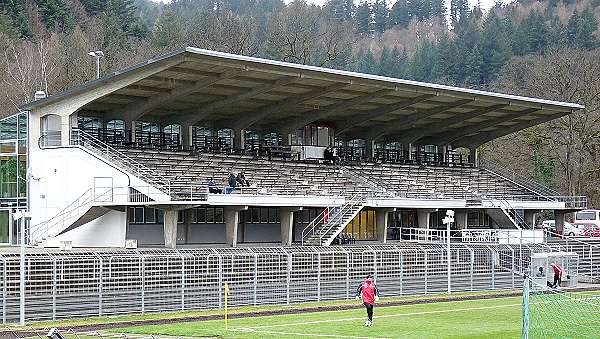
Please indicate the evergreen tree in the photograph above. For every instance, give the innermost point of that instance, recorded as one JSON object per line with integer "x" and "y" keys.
{"x": 473, "y": 69}
{"x": 581, "y": 28}
{"x": 443, "y": 67}
{"x": 421, "y": 65}
{"x": 94, "y": 7}
{"x": 437, "y": 9}
{"x": 495, "y": 47}
{"x": 392, "y": 62}
{"x": 55, "y": 15}
{"x": 168, "y": 32}
{"x": 363, "y": 17}
{"x": 15, "y": 10}
{"x": 557, "y": 36}
{"x": 458, "y": 10}
{"x": 380, "y": 15}
{"x": 340, "y": 10}
{"x": 536, "y": 32}
{"x": 124, "y": 13}
{"x": 365, "y": 61}
{"x": 400, "y": 14}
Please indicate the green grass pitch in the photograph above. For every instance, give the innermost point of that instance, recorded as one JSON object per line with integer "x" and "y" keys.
{"x": 488, "y": 318}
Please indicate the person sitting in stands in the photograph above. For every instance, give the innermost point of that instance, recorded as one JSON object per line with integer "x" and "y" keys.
{"x": 232, "y": 183}
{"x": 212, "y": 187}
{"x": 241, "y": 179}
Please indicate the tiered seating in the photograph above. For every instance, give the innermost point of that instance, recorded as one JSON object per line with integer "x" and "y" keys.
{"x": 415, "y": 181}
{"x": 300, "y": 178}
{"x": 266, "y": 177}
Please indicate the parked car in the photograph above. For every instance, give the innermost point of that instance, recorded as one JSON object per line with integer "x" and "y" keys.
{"x": 568, "y": 228}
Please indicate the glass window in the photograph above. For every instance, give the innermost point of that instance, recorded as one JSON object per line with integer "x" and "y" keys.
{"x": 8, "y": 147}
{"x": 273, "y": 215}
{"x": 115, "y": 125}
{"x": 264, "y": 215}
{"x": 210, "y": 215}
{"x": 219, "y": 217}
{"x": 199, "y": 215}
{"x": 160, "y": 216}
{"x": 180, "y": 217}
{"x": 585, "y": 216}
{"x": 255, "y": 217}
{"x": 150, "y": 215}
{"x": 139, "y": 215}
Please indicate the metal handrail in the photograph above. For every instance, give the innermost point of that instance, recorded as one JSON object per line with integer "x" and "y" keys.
{"x": 81, "y": 138}
{"x": 518, "y": 179}
{"x": 357, "y": 200}
{"x": 357, "y": 174}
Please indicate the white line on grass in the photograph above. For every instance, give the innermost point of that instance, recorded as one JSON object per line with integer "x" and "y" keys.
{"x": 249, "y": 329}
{"x": 382, "y": 316}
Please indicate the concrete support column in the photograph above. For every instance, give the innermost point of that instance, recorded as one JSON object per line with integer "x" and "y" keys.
{"x": 187, "y": 217}
{"x": 559, "y": 220}
{"x": 67, "y": 122}
{"x": 460, "y": 218}
{"x": 474, "y": 155}
{"x": 238, "y": 139}
{"x": 370, "y": 148}
{"x": 170, "y": 228}
{"x": 130, "y": 125}
{"x": 232, "y": 221}
{"x": 529, "y": 217}
{"x": 423, "y": 218}
{"x": 410, "y": 156}
{"x": 382, "y": 216}
{"x": 286, "y": 216}
{"x": 186, "y": 136}
{"x": 444, "y": 153}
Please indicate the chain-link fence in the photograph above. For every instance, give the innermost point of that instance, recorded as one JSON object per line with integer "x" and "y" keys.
{"x": 84, "y": 283}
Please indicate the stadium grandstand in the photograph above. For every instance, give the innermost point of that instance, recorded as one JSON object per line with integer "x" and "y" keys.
{"x": 206, "y": 148}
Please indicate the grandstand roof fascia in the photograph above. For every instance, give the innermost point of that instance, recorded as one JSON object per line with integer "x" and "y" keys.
{"x": 318, "y": 72}
{"x": 257, "y": 92}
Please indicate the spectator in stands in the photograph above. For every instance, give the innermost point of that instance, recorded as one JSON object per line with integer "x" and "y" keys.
{"x": 232, "y": 183}
{"x": 241, "y": 180}
{"x": 328, "y": 155}
{"x": 212, "y": 187}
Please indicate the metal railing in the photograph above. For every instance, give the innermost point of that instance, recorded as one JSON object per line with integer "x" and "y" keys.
{"x": 332, "y": 217}
{"x": 88, "y": 282}
{"x": 474, "y": 235}
{"x": 81, "y": 138}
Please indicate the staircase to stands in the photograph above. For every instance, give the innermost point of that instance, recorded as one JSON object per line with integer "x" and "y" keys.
{"x": 92, "y": 203}
{"x": 332, "y": 221}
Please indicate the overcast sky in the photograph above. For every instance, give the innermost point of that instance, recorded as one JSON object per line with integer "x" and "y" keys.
{"x": 485, "y": 4}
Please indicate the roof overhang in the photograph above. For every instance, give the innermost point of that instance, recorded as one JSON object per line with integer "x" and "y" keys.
{"x": 219, "y": 90}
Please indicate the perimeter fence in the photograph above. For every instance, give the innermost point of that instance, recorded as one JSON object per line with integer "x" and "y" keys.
{"x": 86, "y": 283}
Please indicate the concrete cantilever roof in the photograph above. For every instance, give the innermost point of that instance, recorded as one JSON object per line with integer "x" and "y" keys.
{"x": 214, "y": 89}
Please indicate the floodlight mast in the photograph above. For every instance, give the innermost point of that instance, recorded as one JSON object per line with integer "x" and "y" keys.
{"x": 448, "y": 220}
{"x": 97, "y": 55}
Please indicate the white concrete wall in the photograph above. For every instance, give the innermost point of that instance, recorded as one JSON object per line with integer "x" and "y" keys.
{"x": 107, "y": 231}
{"x": 61, "y": 175}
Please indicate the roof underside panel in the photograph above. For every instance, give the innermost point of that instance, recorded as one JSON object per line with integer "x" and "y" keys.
{"x": 219, "y": 90}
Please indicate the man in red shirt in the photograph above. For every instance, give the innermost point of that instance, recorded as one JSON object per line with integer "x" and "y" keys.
{"x": 367, "y": 291}
{"x": 558, "y": 272}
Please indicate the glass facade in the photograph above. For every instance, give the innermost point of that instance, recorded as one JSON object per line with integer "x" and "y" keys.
{"x": 13, "y": 172}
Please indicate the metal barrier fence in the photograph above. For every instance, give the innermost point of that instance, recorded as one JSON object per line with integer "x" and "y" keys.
{"x": 84, "y": 283}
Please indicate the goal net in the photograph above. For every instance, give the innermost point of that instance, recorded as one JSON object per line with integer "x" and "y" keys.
{"x": 553, "y": 313}
{"x": 550, "y": 309}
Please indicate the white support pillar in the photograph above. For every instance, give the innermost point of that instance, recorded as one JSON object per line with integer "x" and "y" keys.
{"x": 423, "y": 218}
{"x": 410, "y": 156}
{"x": 461, "y": 219}
{"x": 232, "y": 221}
{"x": 286, "y": 215}
{"x": 170, "y": 228}
{"x": 382, "y": 216}
{"x": 529, "y": 216}
{"x": 67, "y": 122}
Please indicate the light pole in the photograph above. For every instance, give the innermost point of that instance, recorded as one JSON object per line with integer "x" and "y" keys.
{"x": 21, "y": 215}
{"x": 448, "y": 220}
{"x": 97, "y": 55}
